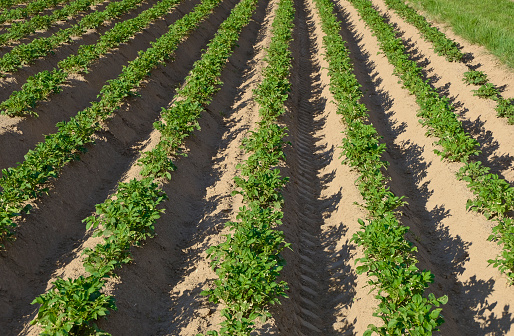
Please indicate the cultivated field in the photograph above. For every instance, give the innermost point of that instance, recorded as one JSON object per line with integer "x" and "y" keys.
{"x": 311, "y": 169}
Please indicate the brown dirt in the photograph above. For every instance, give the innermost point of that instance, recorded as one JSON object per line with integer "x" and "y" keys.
{"x": 159, "y": 293}
{"x": 451, "y": 241}
{"x": 478, "y": 116}
{"x": 327, "y": 296}
{"x": 18, "y": 135}
{"x": 51, "y": 236}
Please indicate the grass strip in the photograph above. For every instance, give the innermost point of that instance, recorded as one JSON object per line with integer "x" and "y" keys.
{"x": 389, "y": 259}
{"x": 494, "y": 197}
{"x": 41, "y": 85}
{"x": 30, "y": 179}
{"x": 443, "y": 46}
{"x": 128, "y": 219}
{"x": 448, "y": 48}
{"x": 484, "y": 22}
{"x": 24, "y": 54}
{"x": 248, "y": 263}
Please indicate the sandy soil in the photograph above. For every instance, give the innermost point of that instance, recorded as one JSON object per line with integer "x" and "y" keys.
{"x": 478, "y": 116}
{"x": 18, "y": 135}
{"x": 327, "y": 295}
{"x": 159, "y": 293}
{"x": 451, "y": 241}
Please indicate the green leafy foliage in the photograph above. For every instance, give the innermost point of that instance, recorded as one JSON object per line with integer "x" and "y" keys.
{"x": 248, "y": 263}
{"x": 448, "y": 48}
{"x": 125, "y": 221}
{"x": 21, "y": 29}
{"x": 505, "y": 108}
{"x": 442, "y": 45}
{"x": 35, "y": 89}
{"x": 128, "y": 219}
{"x": 29, "y": 179}
{"x": 503, "y": 234}
{"x": 493, "y": 195}
{"x": 487, "y": 90}
{"x": 43, "y": 84}
{"x": 23, "y": 54}
{"x": 32, "y": 8}
{"x": 389, "y": 259}
{"x": 6, "y": 4}
{"x": 474, "y": 77}
{"x": 71, "y": 307}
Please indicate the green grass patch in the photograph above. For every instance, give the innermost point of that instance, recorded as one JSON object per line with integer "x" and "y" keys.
{"x": 485, "y": 22}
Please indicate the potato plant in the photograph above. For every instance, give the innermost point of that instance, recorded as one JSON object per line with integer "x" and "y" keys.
{"x": 442, "y": 45}
{"x": 26, "y": 53}
{"x": 389, "y": 259}
{"x": 32, "y": 8}
{"x": 249, "y": 262}
{"x": 18, "y": 30}
{"x": 29, "y": 179}
{"x": 493, "y": 195}
{"x": 41, "y": 85}
{"x": 450, "y": 49}
{"x": 128, "y": 219}
{"x": 474, "y": 77}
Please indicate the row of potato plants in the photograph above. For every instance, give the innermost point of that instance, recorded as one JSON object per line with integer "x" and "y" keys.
{"x": 448, "y": 48}
{"x": 32, "y": 8}
{"x": 24, "y": 54}
{"x": 30, "y": 179}
{"x": 6, "y": 4}
{"x": 249, "y": 261}
{"x": 41, "y": 85}
{"x": 443, "y": 46}
{"x": 504, "y": 106}
{"x": 389, "y": 259}
{"x": 494, "y": 197}
{"x": 128, "y": 219}
{"x": 19, "y": 30}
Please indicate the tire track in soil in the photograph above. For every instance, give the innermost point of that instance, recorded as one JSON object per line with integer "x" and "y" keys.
{"x": 311, "y": 287}
{"x": 168, "y": 273}
{"x": 53, "y": 234}
{"x": 320, "y": 216}
{"x": 20, "y": 134}
{"x": 451, "y": 241}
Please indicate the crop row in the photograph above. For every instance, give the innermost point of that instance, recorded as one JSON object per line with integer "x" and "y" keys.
{"x": 388, "y": 258}
{"x": 443, "y": 46}
{"x": 30, "y": 179}
{"x": 41, "y": 85}
{"x": 504, "y": 106}
{"x": 6, "y": 4}
{"x": 448, "y": 48}
{"x": 32, "y": 8}
{"x": 24, "y": 54}
{"x": 19, "y": 30}
{"x": 129, "y": 218}
{"x": 248, "y": 262}
{"x": 494, "y": 197}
